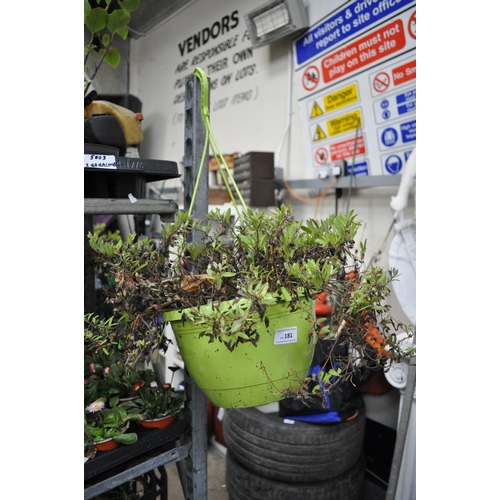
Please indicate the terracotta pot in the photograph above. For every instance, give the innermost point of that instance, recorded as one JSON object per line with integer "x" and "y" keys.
{"x": 107, "y": 444}
{"x": 158, "y": 423}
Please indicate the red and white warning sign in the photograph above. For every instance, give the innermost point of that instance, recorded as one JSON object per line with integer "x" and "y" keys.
{"x": 310, "y": 78}
{"x": 412, "y": 25}
{"x": 405, "y": 73}
{"x": 379, "y": 44}
{"x": 321, "y": 156}
{"x": 348, "y": 148}
{"x": 381, "y": 82}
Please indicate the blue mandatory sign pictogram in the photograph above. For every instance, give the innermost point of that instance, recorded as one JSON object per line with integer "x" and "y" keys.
{"x": 386, "y": 114}
{"x": 393, "y": 164}
{"x": 384, "y": 104}
{"x": 389, "y": 137}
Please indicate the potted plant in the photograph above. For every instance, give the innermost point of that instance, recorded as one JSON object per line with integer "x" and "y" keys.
{"x": 158, "y": 405}
{"x": 107, "y": 375}
{"x": 108, "y": 426}
{"x": 242, "y": 271}
{"x": 240, "y": 297}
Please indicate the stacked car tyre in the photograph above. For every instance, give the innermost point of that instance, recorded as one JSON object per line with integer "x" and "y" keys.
{"x": 268, "y": 458}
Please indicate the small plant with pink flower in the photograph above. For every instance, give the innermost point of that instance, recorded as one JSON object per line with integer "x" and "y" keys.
{"x": 110, "y": 377}
{"x": 102, "y": 423}
{"x": 156, "y": 400}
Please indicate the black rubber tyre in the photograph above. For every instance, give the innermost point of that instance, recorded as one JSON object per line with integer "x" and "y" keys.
{"x": 243, "y": 484}
{"x": 293, "y": 453}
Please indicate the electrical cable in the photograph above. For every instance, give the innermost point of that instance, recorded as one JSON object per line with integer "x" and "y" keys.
{"x": 289, "y": 109}
{"x": 382, "y": 246}
{"x": 310, "y": 200}
{"x": 352, "y": 173}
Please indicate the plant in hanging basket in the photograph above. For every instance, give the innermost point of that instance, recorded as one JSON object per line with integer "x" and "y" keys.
{"x": 241, "y": 293}
{"x": 227, "y": 282}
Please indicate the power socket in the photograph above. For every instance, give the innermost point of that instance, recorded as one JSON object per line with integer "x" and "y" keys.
{"x": 339, "y": 168}
{"x": 335, "y": 169}
{"x": 324, "y": 173}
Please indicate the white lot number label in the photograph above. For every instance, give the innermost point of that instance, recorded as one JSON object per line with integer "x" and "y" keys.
{"x": 99, "y": 161}
{"x": 285, "y": 335}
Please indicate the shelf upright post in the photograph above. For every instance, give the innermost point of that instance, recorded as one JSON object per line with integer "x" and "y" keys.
{"x": 193, "y": 469}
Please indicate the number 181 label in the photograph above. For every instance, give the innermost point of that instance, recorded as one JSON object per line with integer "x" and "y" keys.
{"x": 285, "y": 335}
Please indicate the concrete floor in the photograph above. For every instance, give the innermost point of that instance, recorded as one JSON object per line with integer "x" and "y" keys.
{"x": 216, "y": 476}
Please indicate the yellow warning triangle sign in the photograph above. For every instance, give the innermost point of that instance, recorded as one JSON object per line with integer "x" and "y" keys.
{"x": 319, "y": 134}
{"x": 316, "y": 110}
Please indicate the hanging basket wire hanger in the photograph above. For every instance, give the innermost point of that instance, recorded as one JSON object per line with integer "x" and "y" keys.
{"x": 210, "y": 140}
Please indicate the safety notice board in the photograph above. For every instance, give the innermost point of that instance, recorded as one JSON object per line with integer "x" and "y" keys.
{"x": 355, "y": 73}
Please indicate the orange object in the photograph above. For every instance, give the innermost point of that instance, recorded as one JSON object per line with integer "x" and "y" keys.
{"x": 323, "y": 309}
{"x": 373, "y": 337}
{"x": 375, "y": 340}
{"x": 107, "y": 444}
{"x": 158, "y": 423}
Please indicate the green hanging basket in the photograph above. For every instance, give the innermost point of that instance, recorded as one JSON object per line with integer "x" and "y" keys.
{"x": 249, "y": 375}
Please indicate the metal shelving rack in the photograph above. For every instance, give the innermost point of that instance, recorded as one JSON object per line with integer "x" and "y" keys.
{"x": 185, "y": 443}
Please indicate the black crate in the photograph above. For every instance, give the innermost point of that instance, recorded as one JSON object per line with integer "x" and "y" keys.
{"x": 254, "y": 176}
{"x": 255, "y": 164}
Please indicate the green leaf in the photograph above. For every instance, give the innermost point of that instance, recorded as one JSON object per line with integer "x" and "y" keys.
{"x": 113, "y": 401}
{"x": 96, "y": 19}
{"x": 285, "y": 294}
{"x": 86, "y": 7}
{"x": 127, "y": 438}
{"x": 112, "y": 57}
{"x": 129, "y": 5}
{"x": 106, "y": 40}
{"x": 117, "y": 20}
{"x": 123, "y": 32}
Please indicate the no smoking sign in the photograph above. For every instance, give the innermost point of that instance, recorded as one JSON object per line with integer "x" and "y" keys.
{"x": 381, "y": 82}
{"x": 412, "y": 25}
{"x": 321, "y": 156}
